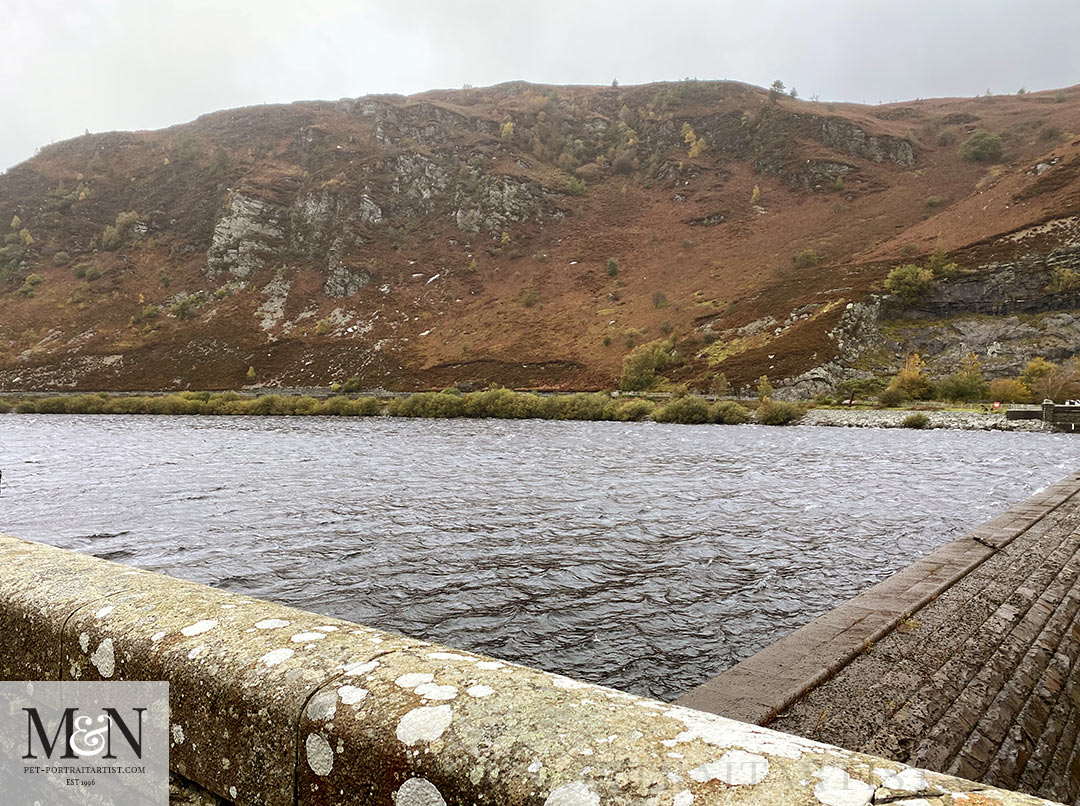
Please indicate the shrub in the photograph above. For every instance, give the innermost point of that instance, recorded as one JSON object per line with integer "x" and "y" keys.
{"x": 777, "y": 412}
{"x": 340, "y": 406}
{"x": 505, "y": 404}
{"x": 909, "y": 282}
{"x": 351, "y": 386}
{"x": 530, "y": 297}
{"x": 728, "y": 412}
{"x": 628, "y": 410}
{"x": 640, "y": 367}
{"x": 6, "y": 406}
{"x": 612, "y": 267}
{"x": 575, "y": 186}
{"x": 917, "y": 420}
{"x": 1009, "y": 390}
{"x": 981, "y": 146}
{"x": 1050, "y": 132}
{"x": 755, "y": 195}
{"x": 322, "y": 327}
{"x": 60, "y": 258}
{"x": 659, "y": 300}
{"x": 427, "y": 404}
{"x": 891, "y": 397}
{"x": 689, "y": 409}
{"x": 807, "y": 258}
{"x": 965, "y": 385}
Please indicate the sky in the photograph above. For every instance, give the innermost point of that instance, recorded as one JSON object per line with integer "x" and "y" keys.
{"x": 67, "y": 66}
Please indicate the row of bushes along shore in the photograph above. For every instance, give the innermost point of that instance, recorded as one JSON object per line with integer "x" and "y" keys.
{"x": 500, "y": 403}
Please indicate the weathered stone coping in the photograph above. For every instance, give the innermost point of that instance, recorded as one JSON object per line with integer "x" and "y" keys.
{"x": 766, "y": 683}
{"x": 273, "y": 705}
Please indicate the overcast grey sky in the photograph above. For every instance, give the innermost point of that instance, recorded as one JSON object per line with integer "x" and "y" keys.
{"x": 67, "y": 65}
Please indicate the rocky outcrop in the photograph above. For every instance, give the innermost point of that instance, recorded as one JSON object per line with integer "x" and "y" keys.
{"x": 843, "y": 135}
{"x": 249, "y": 235}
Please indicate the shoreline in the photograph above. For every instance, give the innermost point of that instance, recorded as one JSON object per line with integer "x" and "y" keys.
{"x": 950, "y": 420}
{"x": 506, "y": 404}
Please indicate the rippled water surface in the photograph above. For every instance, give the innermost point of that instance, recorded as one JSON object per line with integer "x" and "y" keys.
{"x": 642, "y": 556}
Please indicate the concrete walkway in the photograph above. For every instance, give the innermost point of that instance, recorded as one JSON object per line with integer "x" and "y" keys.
{"x": 964, "y": 662}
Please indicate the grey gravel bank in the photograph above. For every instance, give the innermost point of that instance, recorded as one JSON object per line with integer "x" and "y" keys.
{"x": 965, "y": 420}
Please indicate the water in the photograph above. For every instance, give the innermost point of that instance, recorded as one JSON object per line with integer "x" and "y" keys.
{"x": 645, "y": 557}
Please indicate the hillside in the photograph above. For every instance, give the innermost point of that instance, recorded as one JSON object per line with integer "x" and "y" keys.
{"x": 531, "y": 236}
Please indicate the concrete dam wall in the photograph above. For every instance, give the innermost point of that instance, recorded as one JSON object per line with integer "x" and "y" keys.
{"x": 965, "y": 662}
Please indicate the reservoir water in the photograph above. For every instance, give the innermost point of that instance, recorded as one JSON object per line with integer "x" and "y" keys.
{"x": 641, "y": 556}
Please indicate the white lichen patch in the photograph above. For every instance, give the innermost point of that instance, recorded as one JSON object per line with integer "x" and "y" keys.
{"x": 271, "y": 623}
{"x": 568, "y": 683}
{"x": 232, "y": 792}
{"x": 684, "y": 798}
{"x": 178, "y": 734}
{"x": 479, "y": 691}
{"x": 734, "y": 768}
{"x": 276, "y": 656}
{"x": 351, "y": 695}
{"x": 327, "y": 628}
{"x": 575, "y": 794}
{"x": 448, "y": 656}
{"x": 304, "y": 637}
{"x": 103, "y": 658}
{"x": 910, "y": 780}
{"x": 84, "y": 641}
{"x": 424, "y": 724}
{"x": 103, "y": 612}
{"x": 320, "y": 756}
{"x": 414, "y": 679}
{"x": 157, "y": 636}
{"x": 433, "y": 691}
{"x": 722, "y": 732}
{"x": 418, "y": 792}
{"x": 836, "y": 788}
{"x": 199, "y": 627}
{"x": 323, "y": 705}
{"x": 489, "y": 665}
{"x": 535, "y": 767}
{"x": 197, "y": 652}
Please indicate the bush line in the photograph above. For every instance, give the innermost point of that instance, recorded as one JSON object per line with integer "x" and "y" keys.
{"x": 493, "y": 403}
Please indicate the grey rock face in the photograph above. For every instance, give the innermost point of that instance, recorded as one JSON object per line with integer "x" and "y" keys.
{"x": 341, "y": 280}
{"x": 246, "y": 237}
{"x": 849, "y": 138}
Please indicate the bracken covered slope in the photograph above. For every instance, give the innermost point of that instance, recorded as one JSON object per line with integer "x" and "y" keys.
{"x": 530, "y": 236}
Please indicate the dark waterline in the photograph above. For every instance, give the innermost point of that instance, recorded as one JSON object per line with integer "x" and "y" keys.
{"x": 641, "y": 556}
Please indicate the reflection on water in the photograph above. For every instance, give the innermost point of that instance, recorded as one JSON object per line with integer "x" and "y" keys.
{"x": 642, "y": 556}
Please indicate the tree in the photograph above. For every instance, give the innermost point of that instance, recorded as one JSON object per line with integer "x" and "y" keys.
{"x": 755, "y": 197}
{"x": 910, "y": 383}
{"x": 251, "y": 374}
{"x": 776, "y": 90}
{"x": 764, "y": 388}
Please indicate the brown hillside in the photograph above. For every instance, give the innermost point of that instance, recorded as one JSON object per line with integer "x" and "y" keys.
{"x": 465, "y": 236}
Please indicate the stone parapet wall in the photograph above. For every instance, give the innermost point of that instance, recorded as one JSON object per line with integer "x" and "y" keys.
{"x": 273, "y": 705}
